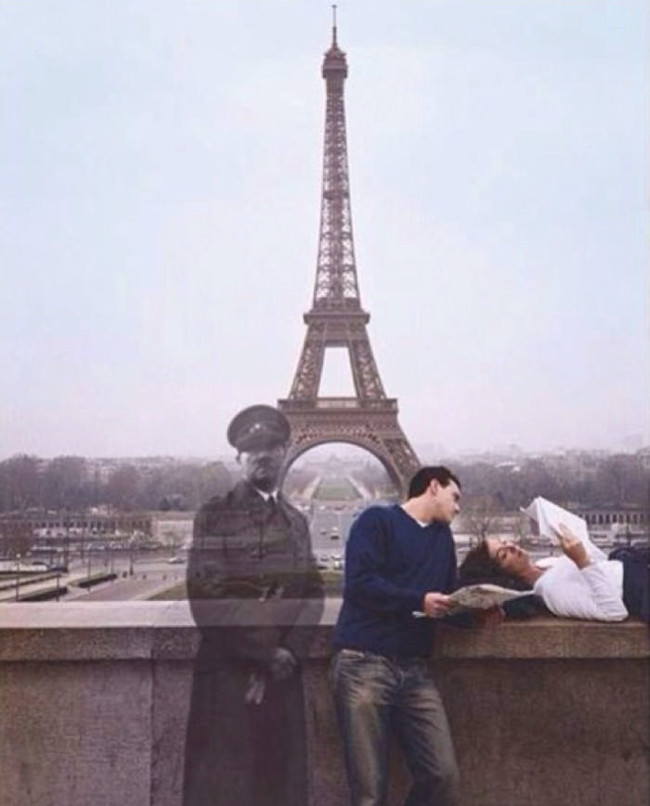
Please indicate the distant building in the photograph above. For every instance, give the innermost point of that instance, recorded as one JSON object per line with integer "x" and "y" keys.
{"x": 604, "y": 517}
{"x": 69, "y": 524}
{"x": 173, "y": 529}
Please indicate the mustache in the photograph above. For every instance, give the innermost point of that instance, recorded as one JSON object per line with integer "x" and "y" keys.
{"x": 264, "y": 464}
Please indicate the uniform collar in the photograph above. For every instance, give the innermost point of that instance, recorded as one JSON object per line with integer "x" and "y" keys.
{"x": 265, "y": 495}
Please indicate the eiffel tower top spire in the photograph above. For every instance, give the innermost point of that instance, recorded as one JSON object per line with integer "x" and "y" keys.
{"x": 334, "y": 25}
{"x": 334, "y": 61}
{"x": 336, "y": 287}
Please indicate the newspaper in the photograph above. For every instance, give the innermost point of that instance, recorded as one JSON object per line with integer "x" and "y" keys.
{"x": 480, "y": 597}
{"x": 549, "y": 516}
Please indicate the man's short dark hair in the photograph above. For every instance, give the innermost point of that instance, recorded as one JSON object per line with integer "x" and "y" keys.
{"x": 425, "y": 475}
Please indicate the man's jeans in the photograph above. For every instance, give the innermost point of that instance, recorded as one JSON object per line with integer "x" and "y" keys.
{"x": 377, "y": 697}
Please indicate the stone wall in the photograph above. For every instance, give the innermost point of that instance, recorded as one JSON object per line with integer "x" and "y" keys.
{"x": 94, "y": 700}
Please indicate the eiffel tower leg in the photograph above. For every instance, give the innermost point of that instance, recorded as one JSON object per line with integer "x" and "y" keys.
{"x": 310, "y": 365}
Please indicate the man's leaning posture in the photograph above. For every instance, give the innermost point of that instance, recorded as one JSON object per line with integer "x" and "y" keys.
{"x": 400, "y": 564}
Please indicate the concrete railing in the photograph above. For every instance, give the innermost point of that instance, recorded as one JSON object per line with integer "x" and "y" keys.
{"x": 94, "y": 700}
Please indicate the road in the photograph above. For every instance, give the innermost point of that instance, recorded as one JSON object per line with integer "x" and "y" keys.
{"x": 333, "y": 518}
{"x": 151, "y": 573}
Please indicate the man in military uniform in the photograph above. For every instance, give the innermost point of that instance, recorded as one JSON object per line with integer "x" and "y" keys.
{"x": 246, "y": 743}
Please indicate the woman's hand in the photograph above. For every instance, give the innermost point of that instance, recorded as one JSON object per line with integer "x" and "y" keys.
{"x": 572, "y": 546}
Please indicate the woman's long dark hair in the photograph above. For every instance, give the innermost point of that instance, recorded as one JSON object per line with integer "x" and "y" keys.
{"x": 479, "y": 568}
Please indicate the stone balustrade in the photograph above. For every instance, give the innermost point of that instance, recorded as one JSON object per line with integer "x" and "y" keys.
{"x": 94, "y": 700}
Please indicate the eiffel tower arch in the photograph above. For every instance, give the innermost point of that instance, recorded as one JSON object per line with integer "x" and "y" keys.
{"x": 336, "y": 320}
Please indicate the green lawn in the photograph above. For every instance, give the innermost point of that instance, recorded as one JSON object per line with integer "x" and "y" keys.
{"x": 335, "y": 490}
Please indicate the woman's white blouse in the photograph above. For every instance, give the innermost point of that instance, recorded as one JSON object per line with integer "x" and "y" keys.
{"x": 595, "y": 592}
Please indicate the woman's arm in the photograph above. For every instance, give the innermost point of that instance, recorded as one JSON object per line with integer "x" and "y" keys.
{"x": 595, "y": 594}
{"x": 590, "y": 593}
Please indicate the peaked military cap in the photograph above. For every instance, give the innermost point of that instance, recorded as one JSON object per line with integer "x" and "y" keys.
{"x": 258, "y": 427}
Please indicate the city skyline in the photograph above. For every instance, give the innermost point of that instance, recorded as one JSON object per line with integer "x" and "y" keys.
{"x": 161, "y": 194}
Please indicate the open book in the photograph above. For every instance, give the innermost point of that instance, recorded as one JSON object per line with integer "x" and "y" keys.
{"x": 480, "y": 597}
{"x": 549, "y": 516}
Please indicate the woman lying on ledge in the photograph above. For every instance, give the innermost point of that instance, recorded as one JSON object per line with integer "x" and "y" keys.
{"x": 584, "y": 583}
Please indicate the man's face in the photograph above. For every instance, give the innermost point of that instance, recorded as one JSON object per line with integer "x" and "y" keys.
{"x": 446, "y": 500}
{"x": 508, "y": 556}
{"x": 262, "y": 466}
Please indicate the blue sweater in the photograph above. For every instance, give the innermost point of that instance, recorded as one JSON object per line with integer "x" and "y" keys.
{"x": 391, "y": 561}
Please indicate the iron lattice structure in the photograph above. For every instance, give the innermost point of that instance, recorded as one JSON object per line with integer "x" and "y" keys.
{"x": 336, "y": 319}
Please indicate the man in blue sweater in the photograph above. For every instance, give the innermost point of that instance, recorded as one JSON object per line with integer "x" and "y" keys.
{"x": 400, "y": 561}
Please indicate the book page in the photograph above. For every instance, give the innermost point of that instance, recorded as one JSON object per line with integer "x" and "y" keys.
{"x": 549, "y": 516}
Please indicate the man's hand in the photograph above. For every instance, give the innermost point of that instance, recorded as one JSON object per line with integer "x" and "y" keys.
{"x": 282, "y": 664}
{"x": 435, "y": 605}
{"x": 572, "y": 546}
{"x": 255, "y": 690}
{"x": 489, "y": 619}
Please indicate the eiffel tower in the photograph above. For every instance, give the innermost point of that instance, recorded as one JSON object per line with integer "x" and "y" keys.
{"x": 336, "y": 319}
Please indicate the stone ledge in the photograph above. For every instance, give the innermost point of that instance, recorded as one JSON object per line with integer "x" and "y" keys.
{"x": 95, "y": 699}
{"x": 166, "y": 630}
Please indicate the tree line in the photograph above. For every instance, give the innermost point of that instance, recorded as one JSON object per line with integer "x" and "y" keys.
{"x": 76, "y": 484}
{"x": 614, "y": 480}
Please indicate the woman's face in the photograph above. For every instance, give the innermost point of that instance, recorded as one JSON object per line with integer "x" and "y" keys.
{"x": 511, "y": 559}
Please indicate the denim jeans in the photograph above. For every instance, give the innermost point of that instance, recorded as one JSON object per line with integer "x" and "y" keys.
{"x": 378, "y": 697}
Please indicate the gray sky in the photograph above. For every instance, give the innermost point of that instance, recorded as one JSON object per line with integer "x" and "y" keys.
{"x": 160, "y": 183}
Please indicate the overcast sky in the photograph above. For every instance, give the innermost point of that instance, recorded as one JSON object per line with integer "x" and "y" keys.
{"x": 160, "y": 184}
